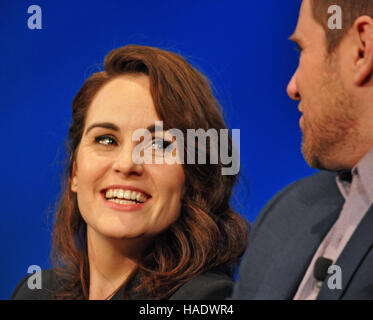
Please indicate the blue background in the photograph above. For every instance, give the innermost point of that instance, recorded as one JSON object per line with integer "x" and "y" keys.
{"x": 241, "y": 46}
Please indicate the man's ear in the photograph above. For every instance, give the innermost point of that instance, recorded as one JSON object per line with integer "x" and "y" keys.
{"x": 74, "y": 178}
{"x": 363, "y": 28}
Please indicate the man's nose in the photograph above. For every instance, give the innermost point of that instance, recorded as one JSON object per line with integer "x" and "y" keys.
{"x": 292, "y": 88}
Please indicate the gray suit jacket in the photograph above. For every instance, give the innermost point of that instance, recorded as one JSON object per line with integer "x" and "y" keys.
{"x": 288, "y": 232}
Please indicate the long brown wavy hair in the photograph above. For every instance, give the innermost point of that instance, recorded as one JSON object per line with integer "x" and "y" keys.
{"x": 208, "y": 235}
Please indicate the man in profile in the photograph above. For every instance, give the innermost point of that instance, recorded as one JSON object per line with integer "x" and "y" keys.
{"x": 314, "y": 239}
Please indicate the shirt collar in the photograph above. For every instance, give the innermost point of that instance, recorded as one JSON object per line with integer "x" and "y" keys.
{"x": 363, "y": 171}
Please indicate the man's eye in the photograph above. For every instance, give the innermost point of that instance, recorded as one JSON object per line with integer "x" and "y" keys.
{"x": 105, "y": 140}
{"x": 298, "y": 48}
{"x": 160, "y": 144}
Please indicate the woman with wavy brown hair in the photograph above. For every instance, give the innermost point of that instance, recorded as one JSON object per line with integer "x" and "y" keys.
{"x": 132, "y": 230}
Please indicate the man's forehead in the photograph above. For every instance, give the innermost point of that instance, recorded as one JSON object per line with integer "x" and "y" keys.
{"x": 306, "y": 24}
{"x": 303, "y": 18}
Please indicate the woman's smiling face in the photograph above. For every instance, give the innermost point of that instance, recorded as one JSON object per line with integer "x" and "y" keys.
{"x": 104, "y": 169}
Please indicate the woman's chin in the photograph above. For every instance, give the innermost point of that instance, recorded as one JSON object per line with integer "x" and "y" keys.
{"x": 122, "y": 234}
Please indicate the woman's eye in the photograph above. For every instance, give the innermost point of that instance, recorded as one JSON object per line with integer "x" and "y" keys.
{"x": 160, "y": 144}
{"x": 105, "y": 140}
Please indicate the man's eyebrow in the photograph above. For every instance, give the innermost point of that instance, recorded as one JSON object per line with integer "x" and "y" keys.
{"x": 295, "y": 39}
{"x": 112, "y": 126}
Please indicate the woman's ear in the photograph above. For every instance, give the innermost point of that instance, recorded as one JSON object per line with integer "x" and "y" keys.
{"x": 74, "y": 178}
{"x": 363, "y": 28}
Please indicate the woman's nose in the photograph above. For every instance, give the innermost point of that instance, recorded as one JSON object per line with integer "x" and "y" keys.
{"x": 125, "y": 164}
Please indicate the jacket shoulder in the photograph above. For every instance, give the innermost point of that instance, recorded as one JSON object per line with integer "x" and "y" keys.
{"x": 292, "y": 216}
{"x": 23, "y": 292}
{"x": 318, "y": 188}
{"x": 321, "y": 185}
{"x": 206, "y": 286}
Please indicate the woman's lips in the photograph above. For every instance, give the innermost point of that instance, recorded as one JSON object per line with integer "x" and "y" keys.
{"x": 123, "y": 207}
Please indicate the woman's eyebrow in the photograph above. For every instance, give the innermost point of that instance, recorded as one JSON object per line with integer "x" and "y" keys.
{"x": 106, "y": 125}
{"x": 153, "y": 129}
{"x": 112, "y": 126}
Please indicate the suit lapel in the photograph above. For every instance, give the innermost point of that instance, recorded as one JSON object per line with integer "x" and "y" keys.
{"x": 306, "y": 232}
{"x": 353, "y": 254}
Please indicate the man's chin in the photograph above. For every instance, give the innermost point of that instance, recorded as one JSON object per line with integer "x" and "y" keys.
{"x": 311, "y": 157}
{"x": 313, "y": 162}
{"x": 320, "y": 161}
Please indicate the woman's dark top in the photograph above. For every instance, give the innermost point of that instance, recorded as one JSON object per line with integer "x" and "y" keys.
{"x": 206, "y": 286}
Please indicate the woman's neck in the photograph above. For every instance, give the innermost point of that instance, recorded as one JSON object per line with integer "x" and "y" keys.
{"x": 111, "y": 262}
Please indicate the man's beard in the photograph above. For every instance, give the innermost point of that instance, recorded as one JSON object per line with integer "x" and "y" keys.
{"x": 333, "y": 130}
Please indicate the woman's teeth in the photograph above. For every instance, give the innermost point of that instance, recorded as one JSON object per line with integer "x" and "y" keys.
{"x": 125, "y": 196}
{"x": 123, "y": 201}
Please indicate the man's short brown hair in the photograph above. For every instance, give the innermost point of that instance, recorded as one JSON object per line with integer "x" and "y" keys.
{"x": 351, "y": 10}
